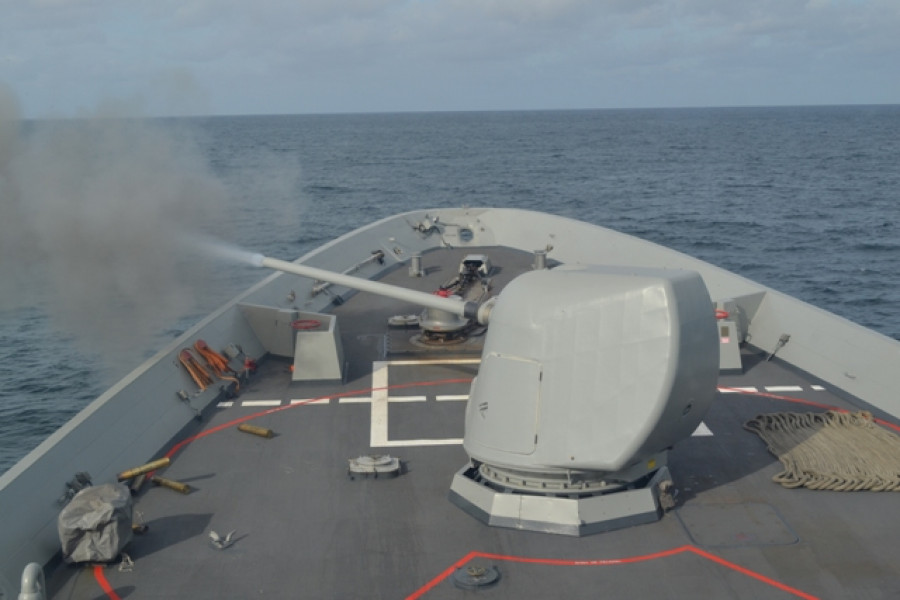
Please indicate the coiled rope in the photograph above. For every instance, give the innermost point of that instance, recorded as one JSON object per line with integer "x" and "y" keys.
{"x": 831, "y": 451}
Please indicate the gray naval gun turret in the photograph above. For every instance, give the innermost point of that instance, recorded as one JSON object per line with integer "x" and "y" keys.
{"x": 589, "y": 376}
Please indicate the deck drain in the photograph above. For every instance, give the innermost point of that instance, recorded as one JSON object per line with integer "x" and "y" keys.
{"x": 373, "y": 464}
{"x": 475, "y": 576}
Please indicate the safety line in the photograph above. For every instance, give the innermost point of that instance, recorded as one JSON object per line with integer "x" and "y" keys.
{"x": 104, "y": 584}
{"x": 606, "y": 562}
{"x": 111, "y": 594}
{"x": 98, "y": 571}
{"x": 807, "y": 403}
{"x": 174, "y": 450}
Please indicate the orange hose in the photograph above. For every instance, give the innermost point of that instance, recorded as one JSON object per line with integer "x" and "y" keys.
{"x": 194, "y": 369}
{"x": 217, "y": 362}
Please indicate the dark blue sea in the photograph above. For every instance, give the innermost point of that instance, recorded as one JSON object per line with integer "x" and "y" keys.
{"x": 95, "y": 277}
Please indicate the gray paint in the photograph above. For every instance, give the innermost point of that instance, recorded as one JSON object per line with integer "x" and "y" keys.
{"x": 318, "y": 352}
{"x": 619, "y": 367}
{"x": 565, "y": 516}
{"x": 272, "y": 327}
{"x": 133, "y": 420}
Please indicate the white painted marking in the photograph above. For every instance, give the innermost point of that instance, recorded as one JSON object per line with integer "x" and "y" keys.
{"x": 406, "y": 398}
{"x": 737, "y": 390}
{"x": 702, "y": 429}
{"x": 450, "y": 361}
{"x": 817, "y": 388}
{"x": 405, "y": 443}
{"x": 311, "y": 401}
{"x": 261, "y": 403}
{"x": 225, "y": 404}
{"x": 784, "y": 388}
{"x": 368, "y": 399}
{"x": 452, "y": 397}
{"x": 378, "y": 434}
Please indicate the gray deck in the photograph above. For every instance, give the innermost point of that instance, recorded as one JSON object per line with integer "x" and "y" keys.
{"x": 305, "y": 529}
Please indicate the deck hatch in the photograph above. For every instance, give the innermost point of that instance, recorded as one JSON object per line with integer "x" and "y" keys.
{"x": 735, "y": 525}
{"x": 513, "y": 424}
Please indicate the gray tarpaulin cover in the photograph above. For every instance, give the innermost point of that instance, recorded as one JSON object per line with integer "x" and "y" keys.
{"x": 96, "y": 524}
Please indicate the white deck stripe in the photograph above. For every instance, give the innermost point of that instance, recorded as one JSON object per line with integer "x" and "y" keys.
{"x": 368, "y": 399}
{"x": 817, "y": 388}
{"x": 737, "y": 390}
{"x": 784, "y": 388}
{"x": 402, "y": 443}
{"x": 378, "y": 435}
{"x": 446, "y": 361}
{"x": 225, "y": 404}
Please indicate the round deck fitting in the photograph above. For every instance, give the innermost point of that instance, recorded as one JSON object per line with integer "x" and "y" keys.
{"x": 548, "y": 482}
{"x": 437, "y": 339}
{"x": 374, "y": 464}
{"x": 475, "y": 576}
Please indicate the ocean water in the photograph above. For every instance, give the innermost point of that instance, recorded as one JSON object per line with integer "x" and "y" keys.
{"x": 804, "y": 199}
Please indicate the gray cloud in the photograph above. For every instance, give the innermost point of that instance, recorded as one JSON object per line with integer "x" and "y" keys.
{"x": 326, "y": 55}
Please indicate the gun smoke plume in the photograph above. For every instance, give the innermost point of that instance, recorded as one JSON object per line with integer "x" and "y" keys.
{"x": 96, "y": 216}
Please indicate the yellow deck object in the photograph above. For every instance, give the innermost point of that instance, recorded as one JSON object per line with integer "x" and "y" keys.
{"x": 146, "y": 468}
{"x": 256, "y": 430}
{"x": 171, "y": 484}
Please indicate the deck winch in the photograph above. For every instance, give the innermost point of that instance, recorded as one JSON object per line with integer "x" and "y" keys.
{"x": 588, "y": 377}
{"x": 441, "y": 327}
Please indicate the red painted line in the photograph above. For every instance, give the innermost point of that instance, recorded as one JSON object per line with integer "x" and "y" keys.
{"x": 98, "y": 572}
{"x": 605, "y": 562}
{"x": 581, "y": 563}
{"x": 443, "y": 575}
{"x": 233, "y": 423}
{"x": 807, "y": 403}
{"x": 749, "y": 573}
{"x": 104, "y": 584}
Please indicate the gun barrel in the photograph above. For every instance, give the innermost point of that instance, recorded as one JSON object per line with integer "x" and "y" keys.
{"x": 468, "y": 310}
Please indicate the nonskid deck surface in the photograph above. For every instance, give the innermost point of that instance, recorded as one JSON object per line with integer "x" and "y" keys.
{"x": 303, "y": 528}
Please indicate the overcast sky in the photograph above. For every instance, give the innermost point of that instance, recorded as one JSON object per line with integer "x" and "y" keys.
{"x": 69, "y": 57}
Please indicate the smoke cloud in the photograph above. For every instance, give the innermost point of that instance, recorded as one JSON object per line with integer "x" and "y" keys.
{"x": 95, "y": 216}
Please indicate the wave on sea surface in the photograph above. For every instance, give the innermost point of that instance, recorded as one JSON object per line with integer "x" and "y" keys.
{"x": 800, "y": 199}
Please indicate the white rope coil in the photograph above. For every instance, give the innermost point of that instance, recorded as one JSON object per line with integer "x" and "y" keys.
{"x": 831, "y": 451}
